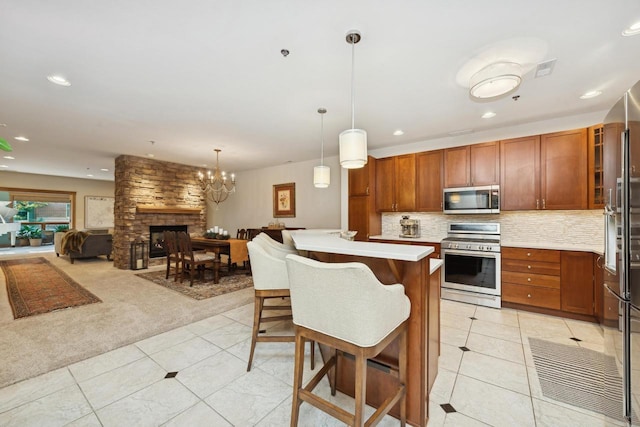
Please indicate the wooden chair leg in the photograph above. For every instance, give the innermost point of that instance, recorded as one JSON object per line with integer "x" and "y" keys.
{"x": 402, "y": 376}
{"x": 297, "y": 379}
{"x": 168, "y": 268}
{"x": 333, "y": 372}
{"x": 257, "y": 315}
{"x": 360, "y": 388}
{"x": 312, "y": 344}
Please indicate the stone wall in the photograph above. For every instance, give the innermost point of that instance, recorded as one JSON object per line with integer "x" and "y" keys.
{"x": 142, "y": 182}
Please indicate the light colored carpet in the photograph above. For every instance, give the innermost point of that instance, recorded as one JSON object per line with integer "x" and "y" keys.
{"x": 132, "y": 309}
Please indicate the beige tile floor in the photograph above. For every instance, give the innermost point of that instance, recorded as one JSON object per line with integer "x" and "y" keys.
{"x": 494, "y": 383}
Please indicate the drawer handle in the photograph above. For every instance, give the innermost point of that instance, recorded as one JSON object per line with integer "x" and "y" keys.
{"x": 528, "y": 279}
{"x": 529, "y": 267}
{"x": 528, "y": 295}
{"x": 528, "y": 253}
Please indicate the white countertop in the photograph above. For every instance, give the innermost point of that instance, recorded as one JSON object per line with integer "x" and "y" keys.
{"x": 595, "y": 248}
{"x": 434, "y": 264}
{"x": 307, "y": 240}
{"x": 405, "y": 239}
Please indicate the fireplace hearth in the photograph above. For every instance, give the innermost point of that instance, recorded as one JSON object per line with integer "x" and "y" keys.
{"x": 156, "y": 238}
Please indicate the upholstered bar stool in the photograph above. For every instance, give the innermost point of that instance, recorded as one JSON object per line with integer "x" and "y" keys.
{"x": 275, "y": 244}
{"x": 344, "y": 306}
{"x": 270, "y": 280}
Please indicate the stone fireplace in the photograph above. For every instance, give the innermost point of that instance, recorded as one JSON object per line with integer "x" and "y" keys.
{"x": 151, "y": 192}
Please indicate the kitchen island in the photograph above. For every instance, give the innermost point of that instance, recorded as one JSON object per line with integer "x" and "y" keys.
{"x": 392, "y": 263}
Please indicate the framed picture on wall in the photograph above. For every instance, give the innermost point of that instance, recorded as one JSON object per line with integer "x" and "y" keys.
{"x": 284, "y": 200}
{"x": 98, "y": 212}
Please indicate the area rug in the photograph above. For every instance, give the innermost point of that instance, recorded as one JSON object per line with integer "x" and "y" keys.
{"x": 578, "y": 376}
{"x": 35, "y": 286}
{"x": 200, "y": 289}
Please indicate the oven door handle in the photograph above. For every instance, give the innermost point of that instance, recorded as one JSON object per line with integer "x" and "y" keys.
{"x": 470, "y": 253}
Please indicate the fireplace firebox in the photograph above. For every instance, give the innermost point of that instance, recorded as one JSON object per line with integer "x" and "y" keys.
{"x": 156, "y": 238}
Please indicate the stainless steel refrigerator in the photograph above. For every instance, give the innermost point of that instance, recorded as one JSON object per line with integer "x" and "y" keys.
{"x": 622, "y": 246}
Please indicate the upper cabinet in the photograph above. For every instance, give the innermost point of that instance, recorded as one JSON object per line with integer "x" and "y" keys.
{"x": 396, "y": 183}
{"x": 363, "y": 217}
{"x": 545, "y": 172}
{"x": 361, "y": 179}
{"x": 563, "y": 170}
{"x": 472, "y": 165}
{"x": 595, "y": 172}
{"x": 429, "y": 180}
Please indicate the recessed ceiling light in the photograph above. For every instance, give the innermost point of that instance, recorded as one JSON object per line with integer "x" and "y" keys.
{"x": 590, "y": 94}
{"x": 9, "y": 157}
{"x": 632, "y": 30}
{"x": 89, "y": 174}
{"x": 399, "y": 132}
{"x": 488, "y": 115}
{"x": 21, "y": 138}
{"x": 104, "y": 170}
{"x": 4, "y": 166}
{"x": 59, "y": 80}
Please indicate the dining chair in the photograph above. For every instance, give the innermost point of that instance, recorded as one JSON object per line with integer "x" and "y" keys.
{"x": 270, "y": 281}
{"x": 345, "y": 307}
{"x": 171, "y": 247}
{"x": 193, "y": 262}
{"x": 241, "y": 234}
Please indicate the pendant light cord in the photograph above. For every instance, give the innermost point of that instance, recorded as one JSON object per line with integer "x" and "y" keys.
{"x": 353, "y": 90}
{"x": 321, "y": 139}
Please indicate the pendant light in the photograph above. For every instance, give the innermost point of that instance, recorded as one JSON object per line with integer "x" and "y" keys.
{"x": 322, "y": 173}
{"x": 353, "y": 142}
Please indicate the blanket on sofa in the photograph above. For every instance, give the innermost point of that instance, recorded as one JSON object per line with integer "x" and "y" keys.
{"x": 72, "y": 241}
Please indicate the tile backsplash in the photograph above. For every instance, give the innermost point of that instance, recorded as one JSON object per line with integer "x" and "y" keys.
{"x": 583, "y": 227}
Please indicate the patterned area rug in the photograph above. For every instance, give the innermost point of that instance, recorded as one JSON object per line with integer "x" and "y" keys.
{"x": 35, "y": 286}
{"x": 578, "y": 376}
{"x": 200, "y": 289}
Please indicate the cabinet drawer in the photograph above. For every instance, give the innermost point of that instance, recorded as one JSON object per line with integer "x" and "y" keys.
{"x": 541, "y": 280}
{"x": 531, "y": 295}
{"x": 533, "y": 267}
{"x": 545, "y": 255}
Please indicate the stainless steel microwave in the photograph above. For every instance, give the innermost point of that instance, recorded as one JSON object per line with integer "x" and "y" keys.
{"x": 472, "y": 200}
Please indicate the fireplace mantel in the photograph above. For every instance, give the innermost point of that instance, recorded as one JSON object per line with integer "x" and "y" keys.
{"x": 167, "y": 210}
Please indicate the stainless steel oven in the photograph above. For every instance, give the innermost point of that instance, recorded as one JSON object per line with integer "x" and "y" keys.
{"x": 471, "y": 270}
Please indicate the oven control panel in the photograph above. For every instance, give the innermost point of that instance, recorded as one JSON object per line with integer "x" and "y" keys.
{"x": 471, "y": 246}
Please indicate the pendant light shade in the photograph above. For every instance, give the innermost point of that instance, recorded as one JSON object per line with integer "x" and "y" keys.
{"x": 353, "y": 142}
{"x": 322, "y": 173}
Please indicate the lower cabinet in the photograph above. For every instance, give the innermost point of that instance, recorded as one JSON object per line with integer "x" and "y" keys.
{"x": 549, "y": 279}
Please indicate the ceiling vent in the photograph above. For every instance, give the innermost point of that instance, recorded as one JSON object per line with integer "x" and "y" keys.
{"x": 545, "y": 68}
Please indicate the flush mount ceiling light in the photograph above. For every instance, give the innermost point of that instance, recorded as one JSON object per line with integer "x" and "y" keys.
{"x": 322, "y": 173}
{"x": 21, "y": 138}
{"x": 488, "y": 115}
{"x": 59, "y": 80}
{"x": 353, "y": 142}
{"x": 495, "y": 79}
{"x": 632, "y": 30}
{"x": 399, "y": 132}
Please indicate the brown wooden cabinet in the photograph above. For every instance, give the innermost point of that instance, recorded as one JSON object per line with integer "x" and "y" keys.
{"x": 577, "y": 282}
{"x": 563, "y": 170}
{"x": 363, "y": 217}
{"x": 612, "y": 150}
{"x": 472, "y": 165}
{"x": 396, "y": 183}
{"x": 598, "y": 288}
{"x": 595, "y": 168}
{"x": 531, "y": 277}
{"x": 429, "y": 180}
{"x": 545, "y": 172}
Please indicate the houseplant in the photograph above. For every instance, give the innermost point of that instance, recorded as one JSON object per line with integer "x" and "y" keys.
{"x": 22, "y": 236}
{"x": 35, "y": 235}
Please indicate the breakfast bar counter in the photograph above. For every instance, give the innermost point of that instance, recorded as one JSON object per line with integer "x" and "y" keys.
{"x": 420, "y": 275}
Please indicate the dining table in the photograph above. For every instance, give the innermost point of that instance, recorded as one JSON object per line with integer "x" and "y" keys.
{"x": 236, "y": 249}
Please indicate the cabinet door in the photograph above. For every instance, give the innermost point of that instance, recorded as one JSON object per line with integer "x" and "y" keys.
{"x": 563, "y": 170}
{"x": 484, "y": 162}
{"x": 385, "y": 183}
{"x": 576, "y": 282}
{"x": 359, "y": 216}
{"x": 519, "y": 173}
{"x": 405, "y": 185}
{"x": 429, "y": 181}
{"x": 598, "y": 288}
{"x": 595, "y": 171}
{"x": 456, "y": 167}
{"x": 361, "y": 179}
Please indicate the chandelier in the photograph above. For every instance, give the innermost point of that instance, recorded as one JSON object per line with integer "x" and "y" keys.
{"x": 215, "y": 185}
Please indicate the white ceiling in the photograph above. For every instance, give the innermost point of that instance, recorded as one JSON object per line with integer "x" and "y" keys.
{"x": 196, "y": 75}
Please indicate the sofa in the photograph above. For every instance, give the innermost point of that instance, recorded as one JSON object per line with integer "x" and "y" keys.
{"x": 80, "y": 244}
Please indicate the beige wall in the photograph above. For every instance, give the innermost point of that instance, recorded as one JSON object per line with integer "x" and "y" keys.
{"x": 252, "y": 205}
{"x": 82, "y": 187}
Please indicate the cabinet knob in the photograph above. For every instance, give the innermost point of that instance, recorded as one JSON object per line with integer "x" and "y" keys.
{"x": 544, "y": 204}
{"x": 529, "y": 267}
{"x": 537, "y": 203}
{"x": 528, "y": 295}
{"x": 528, "y": 253}
{"x": 528, "y": 279}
